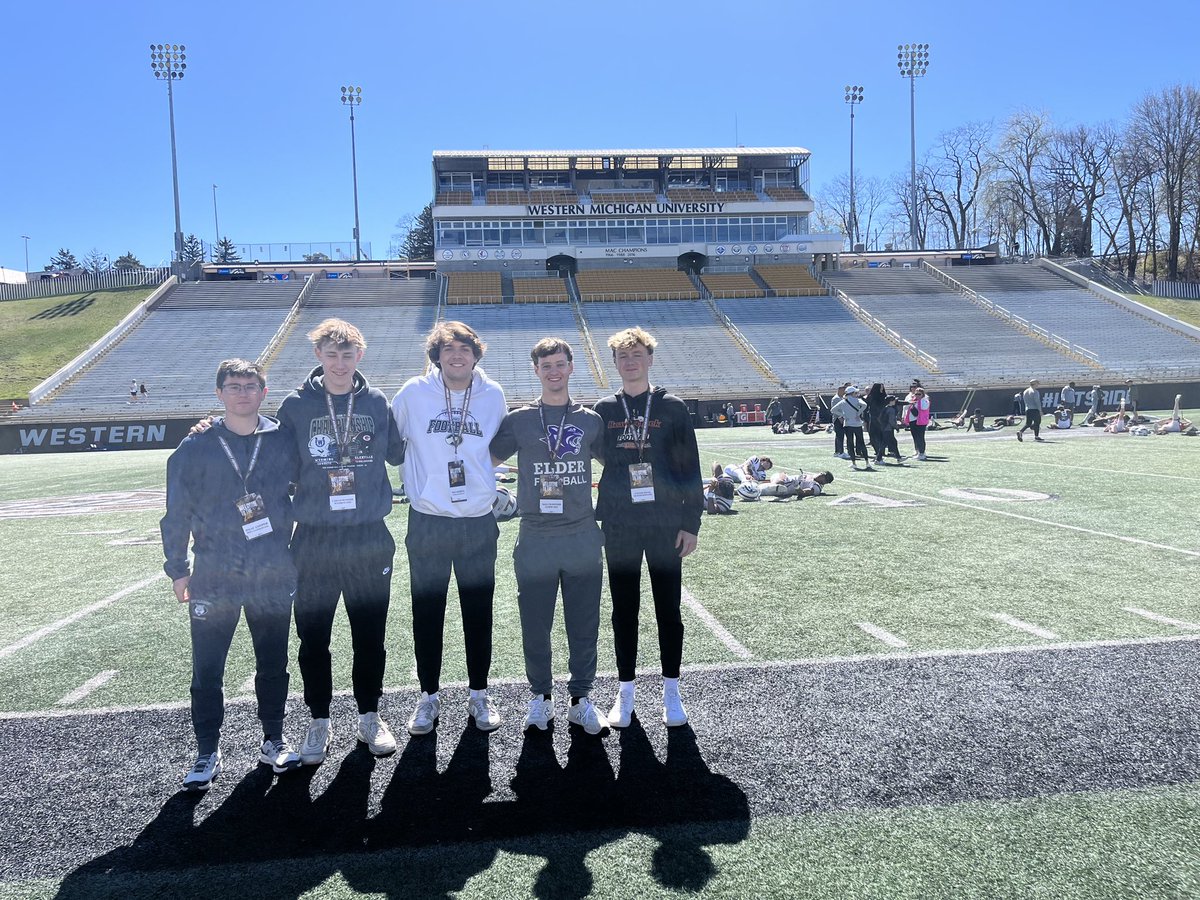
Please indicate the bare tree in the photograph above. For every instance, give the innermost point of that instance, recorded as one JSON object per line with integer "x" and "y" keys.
{"x": 1117, "y": 214}
{"x": 833, "y": 206}
{"x": 954, "y": 177}
{"x": 900, "y": 188}
{"x": 1079, "y": 160}
{"x": 1021, "y": 162}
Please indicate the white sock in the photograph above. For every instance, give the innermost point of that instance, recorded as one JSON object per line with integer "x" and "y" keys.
{"x": 475, "y": 695}
{"x": 627, "y": 687}
{"x": 670, "y": 685}
{"x": 432, "y": 696}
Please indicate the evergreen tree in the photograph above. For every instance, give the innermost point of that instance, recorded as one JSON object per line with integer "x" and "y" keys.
{"x": 225, "y": 252}
{"x": 61, "y": 261}
{"x": 418, "y": 242}
{"x": 128, "y": 261}
{"x": 193, "y": 249}
{"x": 316, "y": 257}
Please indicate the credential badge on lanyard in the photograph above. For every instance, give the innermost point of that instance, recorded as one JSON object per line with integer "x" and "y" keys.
{"x": 250, "y": 506}
{"x": 641, "y": 473}
{"x": 456, "y": 469}
{"x": 341, "y": 480}
{"x": 550, "y": 485}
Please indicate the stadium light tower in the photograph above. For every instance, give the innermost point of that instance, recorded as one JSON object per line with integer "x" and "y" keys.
{"x": 913, "y": 62}
{"x": 25, "y": 238}
{"x": 352, "y": 97}
{"x": 169, "y": 62}
{"x": 854, "y": 96}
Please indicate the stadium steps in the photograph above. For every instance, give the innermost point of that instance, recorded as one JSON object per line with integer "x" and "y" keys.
{"x": 743, "y": 343}
{"x": 906, "y": 346}
{"x": 1031, "y": 329}
{"x": 593, "y": 357}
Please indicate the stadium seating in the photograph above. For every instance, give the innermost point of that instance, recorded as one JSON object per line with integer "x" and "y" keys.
{"x": 696, "y": 354}
{"x": 791, "y": 281}
{"x": 816, "y": 343}
{"x": 624, "y": 197}
{"x": 454, "y": 198}
{"x": 968, "y": 342}
{"x": 507, "y": 198}
{"x": 540, "y": 290}
{"x": 635, "y": 284}
{"x": 1125, "y": 342}
{"x": 474, "y": 287}
{"x": 782, "y": 193}
{"x": 732, "y": 284}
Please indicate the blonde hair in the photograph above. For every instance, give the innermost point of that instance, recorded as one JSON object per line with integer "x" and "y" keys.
{"x": 339, "y": 333}
{"x": 630, "y": 338}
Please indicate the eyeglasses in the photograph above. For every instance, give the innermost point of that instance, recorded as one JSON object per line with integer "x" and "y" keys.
{"x": 236, "y": 389}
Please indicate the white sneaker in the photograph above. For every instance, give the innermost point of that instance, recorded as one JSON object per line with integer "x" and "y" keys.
{"x": 921, "y": 457}
{"x": 425, "y": 716}
{"x": 204, "y": 772}
{"x": 279, "y": 755}
{"x": 674, "y": 714}
{"x": 538, "y": 714}
{"x": 586, "y": 716}
{"x": 316, "y": 743}
{"x": 844, "y": 456}
{"x": 374, "y": 732}
{"x": 622, "y": 710}
{"x": 483, "y": 710}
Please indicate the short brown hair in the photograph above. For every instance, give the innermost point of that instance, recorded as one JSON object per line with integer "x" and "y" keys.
{"x": 548, "y": 347}
{"x": 445, "y": 332}
{"x": 337, "y": 332}
{"x": 630, "y": 338}
{"x": 240, "y": 368}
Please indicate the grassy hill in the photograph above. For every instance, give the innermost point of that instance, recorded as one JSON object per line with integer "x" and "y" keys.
{"x": 42, "y": 335}
{"x": 1183, "y": 310}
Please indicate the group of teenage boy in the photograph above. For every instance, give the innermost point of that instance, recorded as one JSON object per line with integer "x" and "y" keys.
{"x": 286, "y": 516}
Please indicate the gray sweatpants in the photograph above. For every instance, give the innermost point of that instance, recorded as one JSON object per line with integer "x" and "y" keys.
{"x": 543, "y": 562}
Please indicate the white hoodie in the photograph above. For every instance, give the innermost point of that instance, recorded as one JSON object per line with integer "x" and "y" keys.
{"x": 420, "y": 411}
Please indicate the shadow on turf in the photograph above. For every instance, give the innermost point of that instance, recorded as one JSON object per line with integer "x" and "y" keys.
{"x": 559, "y": 813}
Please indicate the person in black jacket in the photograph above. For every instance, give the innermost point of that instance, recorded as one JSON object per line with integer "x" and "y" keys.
{"x": 227, "y": 488}
{"x": 650, "y": 503}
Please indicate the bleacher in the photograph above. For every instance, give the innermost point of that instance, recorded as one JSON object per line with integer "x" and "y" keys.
{"x": 967, "y": 341}
{"x": 454, "y": 198}
{"x": 540, "y": 290}
{"x": 1125, "y": 342}
{"x": 790, "y": 281}
{"x": 176, "y": 350}
{"x": 731, "y": 284}
{"x": 510, "y": 331}
{"x": 696, "y": 355}
{"x": 624, "y": 197}
{"x": 786, "y": 193}
{"x": 707, "y": 195}
{"x": 816, "y": 343}
{"x": 474, "y": 287}
{"x": 635, "y": 284}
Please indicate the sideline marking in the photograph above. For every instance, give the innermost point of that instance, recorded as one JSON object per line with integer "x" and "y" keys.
{"x": 1155, "y": 617}
{"x": 996, "y": 495}
{"x": 1036, "y": 521}
{"x": 36, "y": 636}
{"x": 1022, "y": 625}
{"x": 803, "y": 662}
{"x": 883, "y": 634}
{"x": 96, "y": 681}
{"x": 714, "y": 626}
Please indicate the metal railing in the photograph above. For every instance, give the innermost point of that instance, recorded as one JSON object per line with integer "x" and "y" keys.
{"x": 617, "y": 296}
{"x": 759, "y": 361}
{"x": 891, "y": 335}
{"x": 83, "y": 283}
{"x": 285, "y": 327}
{"x": 593, "y": 356}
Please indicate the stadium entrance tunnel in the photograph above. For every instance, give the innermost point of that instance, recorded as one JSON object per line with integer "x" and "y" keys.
{"x": 691, "y": 262}
{"x": 563, "y": 264}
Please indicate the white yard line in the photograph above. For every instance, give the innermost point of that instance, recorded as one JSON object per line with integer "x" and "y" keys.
{"x": 1000, "y": 512}
{"x": 882, "y": 634}
{"x": 1022, "y": 625}
{"x": 36, "y": 636}
{"x": 1124, "y": 473}
{"x": 1164, "y": 620}
{"x": 719, "y": 630}
{"x": 96, "y": 681}
{"x": 652, "y": 672}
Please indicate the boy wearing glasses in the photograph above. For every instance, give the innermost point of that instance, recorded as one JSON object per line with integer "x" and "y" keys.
{"x": 227, "y": 488}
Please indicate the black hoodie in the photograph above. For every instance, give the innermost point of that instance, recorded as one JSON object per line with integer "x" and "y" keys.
{"x": 305, "y": 415}
{"x": 671, "y": 451}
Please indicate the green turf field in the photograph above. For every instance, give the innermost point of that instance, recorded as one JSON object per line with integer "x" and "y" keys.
{"x": 44, "y": 334}
{"x": 990, "y": 544}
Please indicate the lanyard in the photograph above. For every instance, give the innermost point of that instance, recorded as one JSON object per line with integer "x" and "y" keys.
{"x": 233, "y": 462}
{"x": 554, "y": 442}
{"x": 645, "y": 421}
{"x": 454, "y": 438}
{"x": 342, "y": 441}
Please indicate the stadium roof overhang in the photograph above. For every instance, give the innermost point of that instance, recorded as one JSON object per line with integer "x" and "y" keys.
{"x": 676, "y": 151}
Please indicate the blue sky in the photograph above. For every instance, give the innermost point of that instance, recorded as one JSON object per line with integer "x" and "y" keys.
{"x": 86, "y": 158}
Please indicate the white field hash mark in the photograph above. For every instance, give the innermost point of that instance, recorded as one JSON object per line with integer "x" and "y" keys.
{"x": 36, "y": 636}
{"x": 1163, "y": 620}
{"x": 882, "y": 634}
{"x": 735, "y": 647}
{"x": 1020, "y": 624}
{"x": 93, "y": 683}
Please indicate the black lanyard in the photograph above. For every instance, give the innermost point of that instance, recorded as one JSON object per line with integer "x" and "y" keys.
{"x": 645, "y": 421}
{"x": 233, "y": 462}
{"x": 342, "y": 441}
{"x": 454, "y": 438}
{"x": 554, "y": 442}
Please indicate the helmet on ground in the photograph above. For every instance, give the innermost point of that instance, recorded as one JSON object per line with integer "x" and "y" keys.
{"x": 748, "y": 490}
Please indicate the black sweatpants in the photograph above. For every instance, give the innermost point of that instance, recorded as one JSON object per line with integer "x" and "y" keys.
{"x": 269, "y": 619}
{"x": 353, "y": 562}
{"x": 839, "y": 436}
{"x": 1033, "y": 419}
{"x": 624, "y": 548}
{"x": 877, "y": 438}
{"x": 855, "y": 445}
{"x": 918, "y": 436}
{"x": 437, "y": 544}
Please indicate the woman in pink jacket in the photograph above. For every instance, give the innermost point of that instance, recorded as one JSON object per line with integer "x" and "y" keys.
{"x": 916, "y": 417}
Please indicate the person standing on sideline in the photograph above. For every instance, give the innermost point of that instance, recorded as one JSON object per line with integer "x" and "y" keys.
{"x": 650, "y": 503}
{"x": 876, "y": 400}
{"x": 916, "y": 417}
{"x": 227, "y": 488}
{"x": 774, "y": 412}
{"x": 133, "y": 390}
{"x": 342, "y": 547}
{"x": 1131, "y": 399}
{"x": 1094, "y": 398}
{"x": 448, "y": 418}
{"x": 839, "y": 435}
{"x": 1068, "y": 396}
{"x": 889, "y": 419}
{"x": 559, "y": 543}
{"x": 1032, "y": 401}
{"x": 850, "y": 410}
{"x": 730, "y": 414}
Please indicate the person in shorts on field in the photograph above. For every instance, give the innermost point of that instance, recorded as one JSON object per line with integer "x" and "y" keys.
{"x": 448, "y": 418}
{"x": 227, "y": 489}
{"x": 559, "y": 543}
{"x": 343, "y": 549}
{"x": 650, "y": 504}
